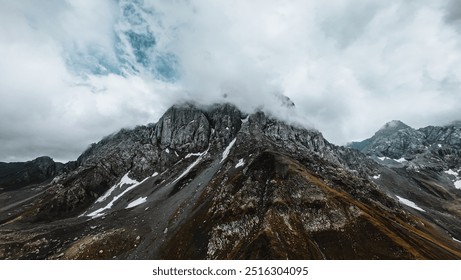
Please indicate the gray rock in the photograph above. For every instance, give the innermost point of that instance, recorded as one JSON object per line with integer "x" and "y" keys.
{"x": 184, "y": 129}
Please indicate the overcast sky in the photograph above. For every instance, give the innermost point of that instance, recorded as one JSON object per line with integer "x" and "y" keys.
{"x": 74, "y": 71}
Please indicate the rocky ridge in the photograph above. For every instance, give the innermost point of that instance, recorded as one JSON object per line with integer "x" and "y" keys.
{"x": 437, "y": 147}
{"x": 16, "y": 175}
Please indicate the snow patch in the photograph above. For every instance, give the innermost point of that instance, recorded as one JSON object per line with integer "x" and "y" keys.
{"x": 456, "y": 240}
{"x": 400, "y": 160}
{"x": 240, "y": 163}
{"x": 167, "y": 150}
{"x": 155, "y": 174}
{"x": 458, "y": 184}
{"x": 227, "y": 150}
{"x": 410, "y": 204}
{"x": 165, "y": 231}
{"x": 245, "y": 120}
{"x": 99, "y": 212}
{"x": 188, "y": 169}
{"x": 136, "y": 202}
{"x": 451, "y": 172}
{"x": 193, "y": 155}
{"x": 125, "y": 180}
{"x": 440, "y": 145}
{"x": 376, "y": 177}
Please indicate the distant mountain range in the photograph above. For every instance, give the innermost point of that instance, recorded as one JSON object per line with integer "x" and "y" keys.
{"x": 216, "y": 183}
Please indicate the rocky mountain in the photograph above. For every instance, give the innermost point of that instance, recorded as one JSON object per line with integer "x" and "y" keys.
{"x": 432, "y": 147}
{"x": 16, "y": 175}
{"x": 217, "y": 183}
{"x": 422, "y": 165}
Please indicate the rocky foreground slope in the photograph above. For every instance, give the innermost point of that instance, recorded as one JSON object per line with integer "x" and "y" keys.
{"x": 215, "y": 183}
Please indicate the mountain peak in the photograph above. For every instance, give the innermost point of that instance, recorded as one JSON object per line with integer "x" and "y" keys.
{"x": 394, "y": 125}
{"x": 392, "y": 140}
{"x": 390, "y": 128}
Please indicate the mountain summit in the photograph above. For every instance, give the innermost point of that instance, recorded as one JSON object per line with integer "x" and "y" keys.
{"x": 217, "y": 183}
{"x": 392, "y": 126}
{"x": 393, "y": 140}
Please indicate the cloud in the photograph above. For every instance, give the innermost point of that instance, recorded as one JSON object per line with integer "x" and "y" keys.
{"x": 349, "y": 66}
{"x": 47, "y": 107}
{"x": 74, "y": 71}
{"x": 453, "y": 11}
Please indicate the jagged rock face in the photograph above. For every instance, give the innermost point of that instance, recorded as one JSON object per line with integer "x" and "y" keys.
{"x": 216, "y": 183}
{"x": 183, "y": 129}
{"x": 226, "y": 121}
{"x": 296, "y": 140}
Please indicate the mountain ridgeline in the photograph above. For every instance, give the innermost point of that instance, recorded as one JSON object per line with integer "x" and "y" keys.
{"x": 397, "y": 140}
{"x": 216, "y": 183}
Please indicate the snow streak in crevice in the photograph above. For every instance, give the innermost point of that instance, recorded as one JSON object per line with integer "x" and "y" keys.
{"x": 226, "y": 152}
